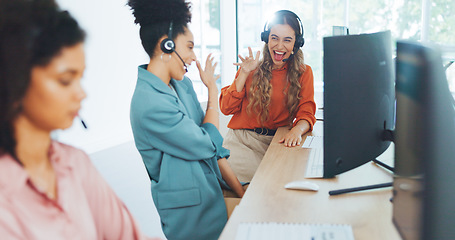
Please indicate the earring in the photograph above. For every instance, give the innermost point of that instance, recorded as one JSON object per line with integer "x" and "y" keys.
{"x": 292, "y": 52}
{"x": 169, "y": 59}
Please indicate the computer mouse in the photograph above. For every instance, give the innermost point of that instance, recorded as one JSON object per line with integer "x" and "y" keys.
{"x": 302, "y": 185}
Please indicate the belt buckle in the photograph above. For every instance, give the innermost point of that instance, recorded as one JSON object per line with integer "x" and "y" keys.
{"x": 259, "y": 131}
{"x": 263, "y": 131}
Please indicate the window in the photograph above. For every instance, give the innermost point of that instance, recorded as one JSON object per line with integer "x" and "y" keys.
{"x": 205, "y": 25}
{"x": 427, "y": 21}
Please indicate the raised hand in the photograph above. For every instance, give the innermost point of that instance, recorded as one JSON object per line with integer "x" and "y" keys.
{"x": 207, "y": 74}
{"x": 249, "y": 63}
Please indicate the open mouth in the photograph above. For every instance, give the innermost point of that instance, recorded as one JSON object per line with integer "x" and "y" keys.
{"x": 278, "y": 56}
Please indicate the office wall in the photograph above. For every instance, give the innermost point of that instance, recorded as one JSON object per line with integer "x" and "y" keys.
{"x": 113, "y": 52}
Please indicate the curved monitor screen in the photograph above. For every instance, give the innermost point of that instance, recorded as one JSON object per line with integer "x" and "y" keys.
{"x": 358, "y": 99}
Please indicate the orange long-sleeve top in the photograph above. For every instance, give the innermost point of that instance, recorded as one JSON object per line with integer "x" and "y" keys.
{"x": 233, "y": 102}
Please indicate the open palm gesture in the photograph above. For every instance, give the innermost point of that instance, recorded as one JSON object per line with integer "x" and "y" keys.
{"x": 207, "y": 74}
{"x": 249, "y": 63}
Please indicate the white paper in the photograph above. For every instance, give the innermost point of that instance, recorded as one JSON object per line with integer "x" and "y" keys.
{"x": 293, "y": 231}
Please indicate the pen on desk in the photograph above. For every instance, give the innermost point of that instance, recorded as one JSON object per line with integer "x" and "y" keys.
{"x": 356, "y": 189}
{"x": 83, "y": 123}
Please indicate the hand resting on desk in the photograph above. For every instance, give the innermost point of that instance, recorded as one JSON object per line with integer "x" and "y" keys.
{"x": 294, "y": 136}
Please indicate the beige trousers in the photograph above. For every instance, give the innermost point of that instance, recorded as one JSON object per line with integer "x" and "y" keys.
{"x": 247, "y": 150}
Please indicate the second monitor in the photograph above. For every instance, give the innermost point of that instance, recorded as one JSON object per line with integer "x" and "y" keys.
{"x": 358, "y": 99}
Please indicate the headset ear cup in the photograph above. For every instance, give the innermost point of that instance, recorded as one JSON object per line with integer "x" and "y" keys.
{"x": 167, "y": 45}
{"x": 301, "y": 42}
{"x": 265, "y": 36}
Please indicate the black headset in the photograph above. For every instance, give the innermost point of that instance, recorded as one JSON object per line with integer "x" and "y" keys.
{"x": 168, "y": 45}
{"x": 299, "y": 41}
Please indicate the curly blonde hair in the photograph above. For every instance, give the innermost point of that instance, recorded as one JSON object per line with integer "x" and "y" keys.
{"x": 260, "y": 92}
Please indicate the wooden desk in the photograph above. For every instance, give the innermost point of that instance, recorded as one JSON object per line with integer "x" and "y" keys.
{"x": 368, "y": 212}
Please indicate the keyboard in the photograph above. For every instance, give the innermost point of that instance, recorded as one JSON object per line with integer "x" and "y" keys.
{"x": 315, "y": 164}
{"x": 293, "y": 231}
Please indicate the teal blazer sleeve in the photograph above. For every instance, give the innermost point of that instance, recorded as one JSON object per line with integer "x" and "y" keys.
{"x": 173, "y": 124}
{"x": 170, "y": 131}
{"x": 217, "y": 140}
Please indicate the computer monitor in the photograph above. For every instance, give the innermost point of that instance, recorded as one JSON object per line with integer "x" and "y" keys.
{"x": 424, "y": 191}
{"x": 358, "y": 99}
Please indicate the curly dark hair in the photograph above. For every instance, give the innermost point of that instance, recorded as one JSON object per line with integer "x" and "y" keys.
{"x": 32, "y": 33}
{"x": 155, "y": 16}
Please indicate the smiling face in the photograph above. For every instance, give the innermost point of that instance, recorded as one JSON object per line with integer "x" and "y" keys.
{"x": 281, "y": 43}
{"x": 184, "y": 44}
{"x": 54, "y": 96}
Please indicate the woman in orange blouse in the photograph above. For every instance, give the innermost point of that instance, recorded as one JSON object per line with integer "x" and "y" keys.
{"x": 269, "y": 93}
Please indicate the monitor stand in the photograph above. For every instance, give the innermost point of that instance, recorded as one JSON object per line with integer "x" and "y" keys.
{"x": 368, "y": 187}
{"x": 387, "y": 135}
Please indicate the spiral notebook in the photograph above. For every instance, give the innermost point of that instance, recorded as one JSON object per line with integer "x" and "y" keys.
{"x": 293, "y": 231}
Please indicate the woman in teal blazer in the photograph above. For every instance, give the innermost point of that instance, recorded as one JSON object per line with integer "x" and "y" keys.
{"x": 179, "y": 144}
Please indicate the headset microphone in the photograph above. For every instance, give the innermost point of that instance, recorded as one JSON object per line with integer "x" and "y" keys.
{"x": 184, "y": 64}
{"x": 83, "y": 123}
{"x": 287, "y": 59}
